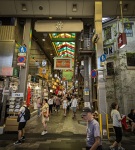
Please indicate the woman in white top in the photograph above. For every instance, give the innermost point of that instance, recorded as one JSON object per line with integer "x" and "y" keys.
{"x": 74, "y": 105}
{"x": 117, "y": 127}
{"x": 50, "y": 103}
{"x": 65, "y": 102}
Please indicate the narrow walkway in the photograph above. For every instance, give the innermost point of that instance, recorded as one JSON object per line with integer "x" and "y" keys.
{"x": 64, "y": 133}
{"x": 58, "y": 124}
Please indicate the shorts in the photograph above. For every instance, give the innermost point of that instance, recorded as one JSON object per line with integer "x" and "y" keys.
{"x": 45, "y": 119}
{"x": 21, "y": 125}
{"x": 64, "y": 106}
{"x": 74, "y": 109}
{"x": 57, "y": 107}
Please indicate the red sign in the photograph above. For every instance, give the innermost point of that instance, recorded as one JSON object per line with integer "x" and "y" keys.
{"x": 122, "y": 40}
{"x": 93, "y": 73}
{"x": 21, "y": 59}
{"x": 62, "y": 63}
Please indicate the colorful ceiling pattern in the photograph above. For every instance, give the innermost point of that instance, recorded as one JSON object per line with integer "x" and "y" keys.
{"x": 64, "y": 44}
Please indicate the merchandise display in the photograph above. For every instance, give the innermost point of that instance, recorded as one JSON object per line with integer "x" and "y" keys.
{"x": 13, "y": 105}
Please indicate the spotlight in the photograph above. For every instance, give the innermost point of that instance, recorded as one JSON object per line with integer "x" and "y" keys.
{"x": 125, "y": 7}
{"x": 74, "y": 8}
{"x": 24, "y": 8}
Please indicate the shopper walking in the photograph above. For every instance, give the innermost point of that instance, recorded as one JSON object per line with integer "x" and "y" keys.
{"x": 57, "y": 104}
{"x": 50, "y": 103}
{"x": 45, "y": 116}
{"x": 117, "y": 127}
{"x": 93, "y": 140}
{"x": 21, "y": 125}
{"x": 38, "y": 106}
{"x": 65, "y": 105}
{"x": 74, "y": 105}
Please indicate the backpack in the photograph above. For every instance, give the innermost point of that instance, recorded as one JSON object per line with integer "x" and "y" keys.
{"x": 26, "y": 114}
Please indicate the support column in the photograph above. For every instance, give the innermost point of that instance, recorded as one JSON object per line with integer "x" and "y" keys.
{"x": 24, "y": 71}
{"x": 86, "y": 82}
{"x": 101, "y": 91}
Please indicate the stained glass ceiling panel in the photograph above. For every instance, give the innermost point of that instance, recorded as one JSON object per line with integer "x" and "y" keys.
{"x": 64, "y": 44}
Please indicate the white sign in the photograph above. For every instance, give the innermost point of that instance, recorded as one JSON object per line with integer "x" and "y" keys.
{"x": 20, "y": 64}
{"x": 87, "y": 104}
{"x": 44, "y": 62}
{"x": 17, "y": 95}
{"x": 21, "y": 54}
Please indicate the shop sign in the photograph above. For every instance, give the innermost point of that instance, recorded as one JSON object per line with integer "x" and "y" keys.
{"x": 62, "y": 63}
{"x": 15, "y": 72}
{"x": 122, "y": 40}
{"x": 17, "y": 94}
{"x": 87, "y": 104}
{"x": 6, "y": 71}
{"x": 22, "y": 49}
{"x": 44, "y": 71}
{"x": 86, "y": 91}
{"x": 21, "y": 54}
{"x": 5, "y": 92}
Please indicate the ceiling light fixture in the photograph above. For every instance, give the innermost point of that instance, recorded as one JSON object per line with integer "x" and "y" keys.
{"x": 43, "y": 40}
{"x": 50, "y": 17}
{"x": 125, "y": 7}
{"x": 24, "y": 8}
{"x": 74, "y": 8}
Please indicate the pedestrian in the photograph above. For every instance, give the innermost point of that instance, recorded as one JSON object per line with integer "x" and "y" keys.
{"x": 74, "y": 105}
{"x": 45, "y": 116}
{"x": 117, "y": 126}
{"x": 22, "y": 124}
{"x": 131, "y": 117}
{"x": 93, "y": 140}
{"x": 50, "y": 103}
{"x": 57, "y": 104}
{"x": 38, "y": 106}
{"x": 65, "y": 105}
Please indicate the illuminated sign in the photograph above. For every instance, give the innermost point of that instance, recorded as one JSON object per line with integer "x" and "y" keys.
{"x": 62, "y": 63}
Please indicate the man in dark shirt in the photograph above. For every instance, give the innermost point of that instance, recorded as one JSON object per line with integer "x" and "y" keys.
{"x": 132, "y": 119}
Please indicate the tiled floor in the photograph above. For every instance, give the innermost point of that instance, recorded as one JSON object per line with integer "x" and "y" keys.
{"x": 64, "y": 133}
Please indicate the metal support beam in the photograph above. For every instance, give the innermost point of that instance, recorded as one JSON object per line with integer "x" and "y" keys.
{"x": 24, "y": 71}
{"x": 86, "y": 82}
{"x": 101, "y": 91}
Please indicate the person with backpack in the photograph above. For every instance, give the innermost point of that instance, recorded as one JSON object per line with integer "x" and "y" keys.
{"x": 23, "y": 117}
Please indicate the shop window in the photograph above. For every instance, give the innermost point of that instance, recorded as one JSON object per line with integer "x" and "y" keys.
{"x": 7, "y": 21}
{"x": 107, "y": 33}
{"x": 128, "y": 29}
{"x": 109, "y": 49}
{"x": 130, "y": 59}
{"x": 110, "y": 69}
